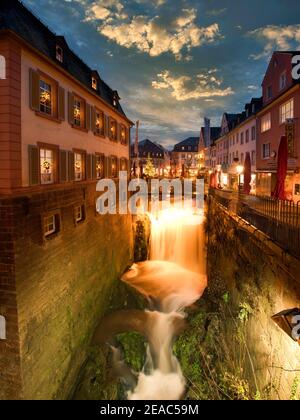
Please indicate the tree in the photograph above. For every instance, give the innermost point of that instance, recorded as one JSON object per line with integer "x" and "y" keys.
{"x": 149, "y": 168}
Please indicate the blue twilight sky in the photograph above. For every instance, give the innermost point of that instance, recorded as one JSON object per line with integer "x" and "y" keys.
{"x": 175, "y": 61}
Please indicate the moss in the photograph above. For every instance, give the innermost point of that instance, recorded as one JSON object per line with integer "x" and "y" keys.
{"x": 134, "y": 349}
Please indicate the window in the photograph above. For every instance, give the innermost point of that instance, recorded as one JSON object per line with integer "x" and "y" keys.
{"x": 59, "y": 54}
{"x": 253, "y": 133}
{"x": 100, "y": 166}
{"x": 266, "y": 150}
{"x": 287, "y": 111}
{"x": 282, "y": 81}
{"x": 79, "y": 213}
{"x": 94, "y": 83}
{"x": 242, "y": 158}
{"x": 45, "y": 97}
{"x": 242, "y": 138}
{"x": 297, "y": 189}
{"x": 182, "y": 148}
{"x": 269, "y": 92}
{"x": 79, "y": 166}
{"x": 114, "y": 167}
{"x": 78, "y": 112}
{"x": 113, "y": 129}
{"x": 123, "y": 134}
{"x": 99, "y": 122}
{"x": 47, "y": 166}
{"x": 253, "y": 157}
{"x": 51, "y": 225}
{"x": 266, "y": 123}
{"x": 247, "y": 136}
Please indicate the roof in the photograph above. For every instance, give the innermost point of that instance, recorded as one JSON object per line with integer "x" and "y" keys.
{"x": 148, "y": 147}
{"x": 190, "y": 141}
{"x": 16, "y": 17}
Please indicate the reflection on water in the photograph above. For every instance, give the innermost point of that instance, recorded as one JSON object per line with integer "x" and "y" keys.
{"x": 172, "y": 280}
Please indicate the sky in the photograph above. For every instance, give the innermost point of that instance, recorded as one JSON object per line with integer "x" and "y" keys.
{"x": 174, "y": 62}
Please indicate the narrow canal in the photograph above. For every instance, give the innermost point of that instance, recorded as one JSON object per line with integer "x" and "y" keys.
{"x": 171, "y": 280}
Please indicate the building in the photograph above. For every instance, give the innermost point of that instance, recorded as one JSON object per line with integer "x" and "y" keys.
{"x": 279, "y": 116}
{"x": 185, "y": 157}
{"x": 160, "y": 157}
{"x": 62, "y": 128}
{"x": 205, "y": 148}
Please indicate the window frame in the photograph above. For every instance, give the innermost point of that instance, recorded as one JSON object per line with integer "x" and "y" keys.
{"x": 263, "y": 120}
{"x": 82, "y": 207}
{"x": 54, "y": 92}
{"x": 263, "y": 150}
{"x": 115, "y": 136}
{"x": 102, "y": 157}
{"x": 292, "y": 109}
{"x": 55, "y": 150}
{"x": 99, "y": 134}
{"x": 56, "y": 214}
{"x": 59, "y": 57}
{"x": 82, "y": 153}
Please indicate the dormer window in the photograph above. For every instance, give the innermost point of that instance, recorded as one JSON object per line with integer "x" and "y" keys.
{"x": 94, "y": 83}
{"x": 59, "y": 54}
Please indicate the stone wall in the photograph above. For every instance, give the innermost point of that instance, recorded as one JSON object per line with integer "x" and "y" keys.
{"x": 258, "y": 280}
{"x": 62, "y": 286}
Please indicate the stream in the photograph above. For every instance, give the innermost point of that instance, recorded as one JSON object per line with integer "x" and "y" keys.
{"x": 172, "y": 279}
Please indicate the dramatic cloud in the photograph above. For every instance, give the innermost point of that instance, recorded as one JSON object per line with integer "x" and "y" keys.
{"x": 151, "y": 34}
{"x": 276, "y": 38}
{"x": 184, "y": 88}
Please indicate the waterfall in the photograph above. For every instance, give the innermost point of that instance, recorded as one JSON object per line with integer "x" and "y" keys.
{"x": 174, "y": 278}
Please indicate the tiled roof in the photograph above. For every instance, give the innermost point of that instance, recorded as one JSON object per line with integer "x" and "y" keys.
{"x": 191, "y": 141}
{"x": 147, "y": 146}
{"x": 16, "y": 17}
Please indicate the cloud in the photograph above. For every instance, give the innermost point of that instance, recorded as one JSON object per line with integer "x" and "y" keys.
{"x": 185, "y": 88}
{"x": 276, "y": 37}
{"x": 152, "y": 35}
{"x": 216, "y": 12}
{"x": 98, "y": 11}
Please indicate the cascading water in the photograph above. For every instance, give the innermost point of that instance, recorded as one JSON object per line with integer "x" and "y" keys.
{"x": 173, "y": 279}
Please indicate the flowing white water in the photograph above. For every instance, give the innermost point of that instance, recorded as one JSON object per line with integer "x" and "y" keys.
{"x": 174, "y": 278}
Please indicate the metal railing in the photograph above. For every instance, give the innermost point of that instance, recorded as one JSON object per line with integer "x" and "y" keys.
{"x": 280, "y": 220}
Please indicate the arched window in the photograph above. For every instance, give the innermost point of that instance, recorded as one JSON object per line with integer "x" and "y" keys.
{"x": 2, "y": 328}
{"x": 2, "y": 67}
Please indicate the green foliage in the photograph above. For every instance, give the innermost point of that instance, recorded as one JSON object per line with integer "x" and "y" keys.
{"x": 295, "y": 388}
{"x": 245, "y": 311}
{"x": 226, "y": 297}
{"x": 134, "y": 349}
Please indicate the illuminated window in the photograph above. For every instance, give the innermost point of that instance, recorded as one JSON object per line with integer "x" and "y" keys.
{"x": 266, "y": 123}
{"x": 79, "y": 214}
{"x": 99, "y": 167}
{"x": 114, "y": 168}
{"x": 94, "y": 83}
{"x": 77, "y": 112}
{"x": 287, "y": 111}
{"x": 266, "y": 150}
{"x": 79, "y": 166}
{"x": 59, "y": 54}
{"x": 51, "y": 225}
{"x": 99, "y": 122}
{"x": 47, "y": 166}
{"x": 123, "y": 134}
{"x": 45, "y": 97}
{"x": 112, "y": 129}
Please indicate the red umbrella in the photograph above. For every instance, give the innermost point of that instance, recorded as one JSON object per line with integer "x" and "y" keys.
{"x": 213, "y": 180}
{"x": 282, "y": 166}
{"x": 247, "y": 174}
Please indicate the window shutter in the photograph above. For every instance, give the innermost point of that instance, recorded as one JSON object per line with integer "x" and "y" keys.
{"x": 61, "y": 103}
{"x": 71, "y": 169}
{"x": 93, "y": 119}
{"x": 34, "y": 170}
{"x": 94, "y": 163}
{"x": 71, "y": 108}
{"x": 63, "y": 166}
{"x": 89, "y": 167}
{"x": 87, "y": 116}
{"x": 34, "y": 90}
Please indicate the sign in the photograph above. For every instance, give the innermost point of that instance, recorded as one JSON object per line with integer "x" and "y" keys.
{"x": 296, "y": 67}
{"x": 290, "y": 135}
